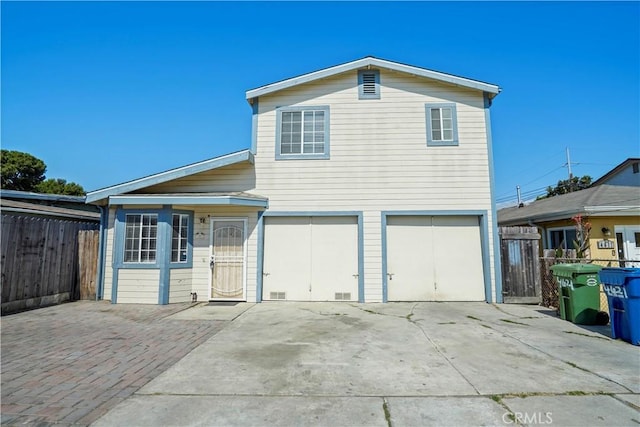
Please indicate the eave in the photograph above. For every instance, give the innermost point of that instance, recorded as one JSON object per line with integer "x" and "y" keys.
{"x": 368, "y": 62}
{"x": 245, "y": 200}
{"x": 181, "y": 172}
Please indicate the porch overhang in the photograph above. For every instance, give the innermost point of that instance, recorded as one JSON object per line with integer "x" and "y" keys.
{"x": 209, "y": 199}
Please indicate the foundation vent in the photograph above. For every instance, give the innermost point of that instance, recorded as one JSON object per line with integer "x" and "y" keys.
{"x": 343, "y": 296}
{"x": 278, "y": 295}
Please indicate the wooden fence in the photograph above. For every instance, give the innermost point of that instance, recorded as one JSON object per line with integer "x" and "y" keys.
{"x": 519, "y": 252}
{"x": 43, "y": 261}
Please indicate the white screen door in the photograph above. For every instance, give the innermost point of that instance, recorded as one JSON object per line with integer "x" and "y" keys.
{"x": 628, "y": 237}
{"x": 227, "y": 259}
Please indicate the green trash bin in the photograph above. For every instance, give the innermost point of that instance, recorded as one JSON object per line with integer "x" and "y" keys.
{"x": 578, "y": 292}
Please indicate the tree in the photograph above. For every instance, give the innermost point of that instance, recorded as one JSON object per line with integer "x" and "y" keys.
{"x": 24, "y": 172}
{"x": 568, "y": 186}
{"x": 20, "y": 171}
{"x": 60, "y": 186}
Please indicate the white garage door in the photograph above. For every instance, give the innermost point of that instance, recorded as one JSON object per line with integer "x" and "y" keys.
{"x": 310, "y": 259}
{"x": 434, "y": 258}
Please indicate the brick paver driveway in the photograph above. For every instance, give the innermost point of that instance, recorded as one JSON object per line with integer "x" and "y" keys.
{"x": 71, "y": 363}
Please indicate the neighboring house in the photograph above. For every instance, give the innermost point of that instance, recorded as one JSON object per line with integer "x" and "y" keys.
{"x": 63, "y": 207}
{"x": 611, "y": 205}
{"x": 368, "y": 181}
{"x": 39, "y": 262}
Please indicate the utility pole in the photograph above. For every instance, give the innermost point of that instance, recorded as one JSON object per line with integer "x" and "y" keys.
{"x": 569, "y": 165}
{"x": 519, "y": 199}
{"x": 570, "y": 182}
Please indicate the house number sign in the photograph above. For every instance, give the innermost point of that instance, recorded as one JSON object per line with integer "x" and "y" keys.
{"x": 568, "y": 283}
{"x": 605, "y": 244}
{"x": 615, "y": 291}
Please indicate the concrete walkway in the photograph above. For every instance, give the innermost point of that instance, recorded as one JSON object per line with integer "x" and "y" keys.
{"x": 401, "y": 364}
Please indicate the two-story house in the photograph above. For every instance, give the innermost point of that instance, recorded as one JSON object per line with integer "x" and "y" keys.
{"x": 369, "y": 181}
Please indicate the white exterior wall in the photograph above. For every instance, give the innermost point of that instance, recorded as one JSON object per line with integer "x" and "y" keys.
{"x": 237, "y": 177}
{"x": 108, "y": 260}
{"x": 180, "y": 285}
{"x": 379, "y": 159}
{"x": 138, "y": 286}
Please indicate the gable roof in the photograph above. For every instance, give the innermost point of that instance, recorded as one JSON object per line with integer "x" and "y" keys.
{"x": 599, "y": 200}
{"x": 137, "y": 184}
{"x": 615, "y": 171}
{"x": 370, "y": 61}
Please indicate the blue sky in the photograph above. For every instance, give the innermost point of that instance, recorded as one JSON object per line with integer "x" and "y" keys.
{"x": 106, "y": 92}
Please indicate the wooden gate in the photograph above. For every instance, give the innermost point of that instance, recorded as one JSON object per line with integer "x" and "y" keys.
{"x": 88, "y": 242}
{"x": 519, "y": 250}
{"x": 39, "y": 262}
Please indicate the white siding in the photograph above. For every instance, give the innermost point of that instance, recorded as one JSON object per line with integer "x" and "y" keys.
{"x": 238, "y": 177}
{"x": 138, "y": 286}
{"x": 108, "y": 260}
{"x": 180, "y": 285}
{"x": 379, "y": 156}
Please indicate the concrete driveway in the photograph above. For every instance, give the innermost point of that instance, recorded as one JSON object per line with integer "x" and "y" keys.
{"x": 400, "y": 364}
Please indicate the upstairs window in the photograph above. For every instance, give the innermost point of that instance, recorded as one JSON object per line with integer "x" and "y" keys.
{"x": 442, "y": 124}
{"x": 141, "y": 238}
{"x": 302, "y": 133}
{"x": 368, "y": 84}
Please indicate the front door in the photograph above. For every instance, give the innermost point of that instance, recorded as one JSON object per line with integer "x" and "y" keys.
{"x": 228, "y": 259}
{"x": 628, "y": 239}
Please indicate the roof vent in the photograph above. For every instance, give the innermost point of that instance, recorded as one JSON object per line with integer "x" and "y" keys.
{"x": 369, "y": 84}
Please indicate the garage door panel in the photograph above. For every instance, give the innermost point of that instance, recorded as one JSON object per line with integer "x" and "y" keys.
{"x": 459, "y": 274}
{"x": 287, "y": 262}
{"x": 311, "y": 258}
{"x": 434, "y": 258}
{"x": 410, "y": 251}
{"x": 334, "y": 265}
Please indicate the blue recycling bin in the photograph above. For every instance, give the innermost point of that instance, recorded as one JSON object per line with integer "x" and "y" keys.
{"x": 622, "y": 286}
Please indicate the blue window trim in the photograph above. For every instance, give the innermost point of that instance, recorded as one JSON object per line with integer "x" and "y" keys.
{"x": 454, "y": 114}
{"x": 163, "y": 249}
{"x": 260, "y": 265}
{"x": 120, "y": 229}
{"x": 361, "y": 94}
{"x": 484, "y": 239}
{"x": 323, "y": 156}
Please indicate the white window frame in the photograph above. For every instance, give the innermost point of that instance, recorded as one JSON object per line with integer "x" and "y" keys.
{"x": 569, "y": 245}
{"x": 453, "y": 141}
{"x": 301, "y": 155}
{"x": 139, "y": 240}
{"x": 182, "y": 239}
